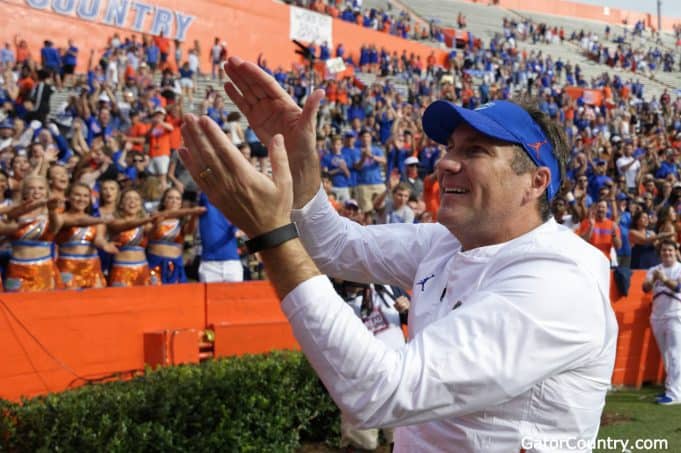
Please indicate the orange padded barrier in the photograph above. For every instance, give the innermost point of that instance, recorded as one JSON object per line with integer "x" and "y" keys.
{"x": 638, "y": 359}
{"x": 88, "y": 334}
{"x": 246, "y": 319}
{"x": 95, "y": 333}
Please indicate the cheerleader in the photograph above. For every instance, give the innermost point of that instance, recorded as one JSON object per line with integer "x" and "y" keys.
{"x": 31, "y": 265}
{"x": 79, "y": 238}
{"x": 167, "y": 236}
{"x": 109, "y": 195}
{"x": 129, "y": 231}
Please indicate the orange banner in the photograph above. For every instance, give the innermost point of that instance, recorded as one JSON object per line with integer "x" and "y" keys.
{"x": 589, "y": 95}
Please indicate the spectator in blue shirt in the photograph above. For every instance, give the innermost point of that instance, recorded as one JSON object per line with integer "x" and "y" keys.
{"x": 428, "y": 157}
{"x": 397, "y": 154}
{"x": 356, "y": 110}
{"x": 598, "y": 180}
{"x": 340, "y": 51}
{"x": 368, "y": 163}
{"x": 51, "y": 61}
{"x": 337, "y": 165}
{"x": 668, "y": 166}
{"x": 352, "y": 152}
{"x": 217, "y": 112}
{"x": 324, "y": 52}
{"x": 153, "y": 55}
{"x": 220, "y": 261}
{"x": 99, "y": 125}
{"x": 69, "y": 62}
{"x": 7, "y": 58}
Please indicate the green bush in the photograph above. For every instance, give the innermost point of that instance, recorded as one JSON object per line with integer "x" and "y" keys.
{"x": 260, "y": 403}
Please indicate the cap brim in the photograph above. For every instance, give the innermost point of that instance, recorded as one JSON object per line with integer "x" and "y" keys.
{"x": 442, "y": 118}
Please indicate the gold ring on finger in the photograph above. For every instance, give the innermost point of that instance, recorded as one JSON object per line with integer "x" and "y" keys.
{"x": 206, "y": 172}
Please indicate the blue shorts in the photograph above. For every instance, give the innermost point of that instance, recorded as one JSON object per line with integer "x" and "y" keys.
{"x": 171, "y": 270}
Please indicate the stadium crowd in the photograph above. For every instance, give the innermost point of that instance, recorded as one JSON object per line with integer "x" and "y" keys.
{"x": 95, "y": 194}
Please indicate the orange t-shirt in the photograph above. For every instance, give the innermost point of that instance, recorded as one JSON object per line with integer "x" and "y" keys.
{"x": 23, "y": 54}
{"x": 159, "y": 142}
{"x": 601, "y": 236}
{"x": 138, "y": 130}
{"x": 175, "y": 134}
{"x": 25, "y": 86}
{"x": 431, "y": 195}
{"x": 163, "y": 44}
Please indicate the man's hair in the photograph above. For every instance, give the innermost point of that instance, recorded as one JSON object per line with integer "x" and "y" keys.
{"x": 402, "y": 187}
{"x": 522, "y": 163}
{"x": 668, "y": 242}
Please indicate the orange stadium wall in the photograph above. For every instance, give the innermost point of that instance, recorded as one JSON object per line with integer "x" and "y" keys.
{"x": 589, "y": 12}
{"x": 249, "y": 27}
{"x": 54, "y": 341}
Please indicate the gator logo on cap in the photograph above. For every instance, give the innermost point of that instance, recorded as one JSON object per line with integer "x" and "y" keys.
{"x": 536, "y": 146}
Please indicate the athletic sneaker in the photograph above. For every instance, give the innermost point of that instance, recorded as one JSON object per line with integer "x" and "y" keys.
{"x": 660, "y": 395}
{"x": 667, "y": 401}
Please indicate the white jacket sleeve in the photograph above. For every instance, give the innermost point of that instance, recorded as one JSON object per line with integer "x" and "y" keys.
{"x": 520, "y": 329}
{"x": 387, "y": 254}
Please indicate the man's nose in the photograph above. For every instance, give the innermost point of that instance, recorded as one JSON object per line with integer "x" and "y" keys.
{"x": 449, "y": 164}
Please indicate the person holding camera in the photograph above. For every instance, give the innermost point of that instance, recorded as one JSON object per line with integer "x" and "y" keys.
{"x": 382, "y": 309}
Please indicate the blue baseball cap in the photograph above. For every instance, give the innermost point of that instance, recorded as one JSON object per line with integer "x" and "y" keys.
{"x": 503, "y": 120}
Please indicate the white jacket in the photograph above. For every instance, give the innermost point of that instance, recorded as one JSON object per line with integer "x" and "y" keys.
{"x": 521, "y": 344}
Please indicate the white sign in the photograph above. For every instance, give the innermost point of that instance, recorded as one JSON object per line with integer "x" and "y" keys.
{"x": 335, "y": 65}
{"x": 308, "y": 26}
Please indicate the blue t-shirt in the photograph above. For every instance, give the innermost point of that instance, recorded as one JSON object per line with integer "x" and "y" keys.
{"x": 331, "y": 162}
{"x": 625, "y": 225}
{"x": 186, "y": 73}
{"x": 214, "y": 114}
{"x": 94, "y": 128}
{"x": 353, "y": 156}
{"x": 370, "y": 172}
{"x": 71, "y": 56}
{"x": 595, "y": 184}
{"x": 396, "y": 158}
{"x": 666, "y": 169}
{"x": 153, "y": 54}
{"x": 385, "y": 126}
{"x": 324, "y": 53}
{"x": 50, "y": 57}
{"x": 218, "y": 240}
{"x": 356, "y": 111}
{"x": 428, "y": 157}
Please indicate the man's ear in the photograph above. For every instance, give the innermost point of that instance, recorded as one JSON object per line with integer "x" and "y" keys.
{"x": 541, "y": 178}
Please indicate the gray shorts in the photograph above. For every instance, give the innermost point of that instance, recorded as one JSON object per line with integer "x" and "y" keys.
{"x": 159, "y": 165}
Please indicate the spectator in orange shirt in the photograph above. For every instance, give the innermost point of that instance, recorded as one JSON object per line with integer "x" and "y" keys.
{"x": 174, "y": 118}
{"x": 163, "y": 45}
{"x": 137, "y": 134}
{"x": 159, "y": 146}
{"x": 600, "y": 231}
{"x": 431, "y": 194}
{"x": 23, "y": 53}
{"x": 25, "y": 85}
